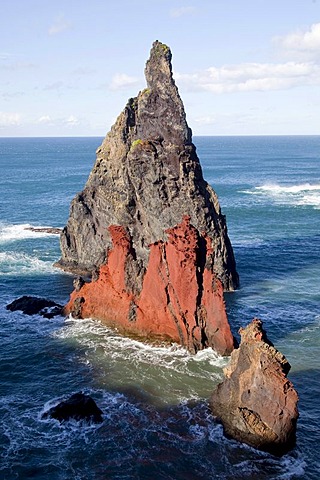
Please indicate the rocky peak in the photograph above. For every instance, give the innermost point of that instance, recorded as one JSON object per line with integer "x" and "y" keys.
{"x": 158, "y": 71}
{"x": 147, "y": 176}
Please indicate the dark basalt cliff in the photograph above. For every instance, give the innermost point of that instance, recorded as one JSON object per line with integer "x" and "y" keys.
{"x": 147, "y": 176}
{"x": 256, "y": 402}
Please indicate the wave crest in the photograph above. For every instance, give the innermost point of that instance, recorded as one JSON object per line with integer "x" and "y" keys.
{"x": 303, "y": 194}
{"x": 11, "y": 233}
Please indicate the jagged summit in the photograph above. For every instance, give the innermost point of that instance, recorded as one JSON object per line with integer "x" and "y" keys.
{"x": 147, "y": 176}
{"x": 162, "y": 91}
{"x": 158, "y": 71}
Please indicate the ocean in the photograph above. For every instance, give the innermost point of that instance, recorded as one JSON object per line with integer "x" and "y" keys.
{"x": 157, "y": 424}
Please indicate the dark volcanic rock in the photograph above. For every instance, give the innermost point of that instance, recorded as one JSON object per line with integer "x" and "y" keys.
{"x": 147, "y": 176}
{"x": 78, "y": 407}
{"x": 256, "y": 403}
{"x": 52, "y": 230}
{"x": 35, "y": 305}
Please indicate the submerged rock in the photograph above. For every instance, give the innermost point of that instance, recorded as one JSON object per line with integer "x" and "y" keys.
{"x": 256, "y": 402}
{"x": 35, "y": 305}
{"x": 78, "y": 407}
{"x": 162, "y": 277}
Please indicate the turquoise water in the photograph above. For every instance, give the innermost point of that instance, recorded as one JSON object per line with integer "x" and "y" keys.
{"x": 156, "y": 420}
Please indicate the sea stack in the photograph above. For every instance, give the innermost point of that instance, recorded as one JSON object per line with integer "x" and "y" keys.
{"x": 256, "y": 402}
{"x": 148, "y": 228}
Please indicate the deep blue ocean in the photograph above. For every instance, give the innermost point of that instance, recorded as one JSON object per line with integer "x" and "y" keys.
{"x": 157, "y": 424}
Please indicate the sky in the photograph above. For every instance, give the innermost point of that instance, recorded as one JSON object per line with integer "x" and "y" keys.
{"x": 242, "y": 67}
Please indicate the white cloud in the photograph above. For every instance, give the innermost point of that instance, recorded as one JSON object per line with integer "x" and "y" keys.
{"x": 302, "y": 41}
{"x": 303, "y": 69}
{"x": 45, "y": 119}
{"x": 9, "y": 119}
{"x": 17, "y": 66}
{"x": 59, "y": 25}
{"x": 122, "y": 80}
{"x": 205, "y": 120}
{"x": 83, "y": 71}
{"x": 248, "y": 77}
{"x": 11, "y": 95}
{"x": 5, "y": 55}
{"x": 179, "y": 12}
{"x": 54, "y": 86}
{"x": 72, "y": 121}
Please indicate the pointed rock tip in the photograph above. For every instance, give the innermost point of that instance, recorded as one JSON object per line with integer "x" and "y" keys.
{"x": 160, "y": 49}
{"x": 254, "y": 332}
{"x": 159, "y": 68}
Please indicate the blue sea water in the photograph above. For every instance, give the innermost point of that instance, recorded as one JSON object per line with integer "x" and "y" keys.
{"x": 155, "y": 398}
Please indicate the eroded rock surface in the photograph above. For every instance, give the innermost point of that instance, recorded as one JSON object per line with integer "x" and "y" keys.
{"x": 180, "y": 299}
{"x": 256, "y": 402}
{"x": 147, "y": 176}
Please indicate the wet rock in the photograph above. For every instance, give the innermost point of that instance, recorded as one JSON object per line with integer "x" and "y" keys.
{"x": 180, "y": 300}
{"x": 76, "y": 307}
{"x": 78, "y": 283}
{"x": 78, "y": 407}
{"x": 256, "y": 402}
{"x": 34, "y": 305}
{"x": 52, "y": 230}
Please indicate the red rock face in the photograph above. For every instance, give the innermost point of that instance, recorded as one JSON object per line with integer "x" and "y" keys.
{"x": 181, "y": 298}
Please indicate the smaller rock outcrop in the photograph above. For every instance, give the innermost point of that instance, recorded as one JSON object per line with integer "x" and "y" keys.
{"x": 256, "y": 402}
{"x": 178, "y": 298}
{"x": 51, "y": 230}
{"x": 78, "y": 407}
{"x": 35, "y": 305}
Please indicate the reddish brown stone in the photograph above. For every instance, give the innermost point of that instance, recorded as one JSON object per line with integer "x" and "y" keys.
{"x": 256, "y": 402}
{"x": 181, "y": 298}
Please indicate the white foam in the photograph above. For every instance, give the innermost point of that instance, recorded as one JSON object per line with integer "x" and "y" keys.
{"x": 11, "y": 233}
{"x": 274, "y": 188}
{"x": 210, "y": 356}
{"x": 248, "y": 242}
{"x": 91, "y": 331}
{"x": 298, "y": 195}
{"x": 311, "y": 200}
{"x": 17, "y": 263}
{"x": 170, "y": 372}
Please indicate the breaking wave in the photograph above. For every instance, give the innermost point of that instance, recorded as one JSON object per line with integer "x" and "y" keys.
{"x": 17, "y": 263}
{"x": 299, "y": 195}
{"x": 170, "y": 373}
{"x": 11, "y": 233}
